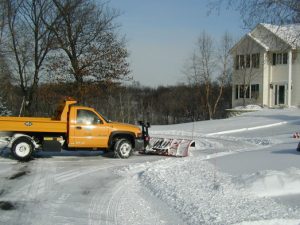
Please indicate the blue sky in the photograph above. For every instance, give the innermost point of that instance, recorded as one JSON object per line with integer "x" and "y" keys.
{"x": 161, "y": 35}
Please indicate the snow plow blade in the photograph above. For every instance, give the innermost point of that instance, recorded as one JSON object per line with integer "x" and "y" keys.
{"x": 169, "y": 147}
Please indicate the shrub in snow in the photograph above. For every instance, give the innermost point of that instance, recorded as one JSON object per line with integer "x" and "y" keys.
{"x": 3, "y": 109}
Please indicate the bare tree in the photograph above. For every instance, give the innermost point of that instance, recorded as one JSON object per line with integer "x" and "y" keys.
{"x": 210, "y": 66}
{"x": 201, "y": 68}
{"x": 206, "y": 66}
{"x": 28, "y": 43}
{"x": 224, "y": 59}
{"x": 88, "y": 47}
{"x": 3, "y": 19}
{"x": 259, "y": 11}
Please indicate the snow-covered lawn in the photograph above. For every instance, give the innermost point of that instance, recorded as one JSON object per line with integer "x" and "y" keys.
{"x": 201, "y": 193}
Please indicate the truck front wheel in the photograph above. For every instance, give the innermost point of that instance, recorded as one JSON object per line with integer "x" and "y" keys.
{"x": 22, "y": 149}
{"x": 122, "y": 148}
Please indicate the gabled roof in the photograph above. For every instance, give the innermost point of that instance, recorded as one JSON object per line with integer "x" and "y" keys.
{"x": 249, "y": 35}
{"x": 288, "y": 33}
{"x": 274, "y": 37}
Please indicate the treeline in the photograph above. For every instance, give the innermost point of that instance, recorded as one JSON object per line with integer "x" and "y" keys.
{"x": 71, "y": 41}
{"x": 163, "y": 105}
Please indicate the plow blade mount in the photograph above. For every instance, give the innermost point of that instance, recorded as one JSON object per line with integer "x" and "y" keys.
{"x": 169, "y": 147}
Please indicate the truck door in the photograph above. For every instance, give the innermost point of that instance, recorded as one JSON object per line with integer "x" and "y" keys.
{"x": 89, "y": 130}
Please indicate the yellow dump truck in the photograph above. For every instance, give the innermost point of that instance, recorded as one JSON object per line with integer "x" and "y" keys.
{"x": 72, "y": 127}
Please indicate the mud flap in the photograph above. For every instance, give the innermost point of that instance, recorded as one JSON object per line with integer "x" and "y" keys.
{"x": 298, "y": 148}
{"x": 169, "y": 147}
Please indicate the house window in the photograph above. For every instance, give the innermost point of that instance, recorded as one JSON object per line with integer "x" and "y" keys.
{"x": 255, "y": 60}
{"x": 274, "y": 59}
{"x": 280, "y": 58}
{"x": 254, "y": 91}
{"x": 247, "y": 92}
{"x": 242, "y": 61}
{"x": 284, "y": 58}
{"x": 241, "y": 91}
{"x": 244, "y": 91}
{"x": 247, "y": 61}
{"x": 237, "y": 62}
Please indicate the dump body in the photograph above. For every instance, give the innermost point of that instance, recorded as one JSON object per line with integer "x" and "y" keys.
{"x": 32, "y": 124}
{"x": 57, "y": 124}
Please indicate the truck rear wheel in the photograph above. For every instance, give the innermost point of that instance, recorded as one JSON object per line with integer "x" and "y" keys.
{"x": 122, "y": 148}
{"x": 22, "y": 148}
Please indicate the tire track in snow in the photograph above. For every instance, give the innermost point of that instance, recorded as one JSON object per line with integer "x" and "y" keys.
{"x": 38, "y": 185}
{"x": 103, "y": 206}
{"x": 28, "y": 194}
{"x": 114, "y": 201}
{"x": 121, "y": 206}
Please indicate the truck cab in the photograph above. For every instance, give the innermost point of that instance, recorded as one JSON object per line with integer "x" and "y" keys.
{"x": 89, "y": 129}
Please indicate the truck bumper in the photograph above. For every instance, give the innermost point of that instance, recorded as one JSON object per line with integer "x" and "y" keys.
{"x": 139, "y": 144}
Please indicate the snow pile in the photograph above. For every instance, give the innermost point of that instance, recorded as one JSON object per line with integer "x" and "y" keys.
{"x": 248, "y": 107}
{"x": 200, "y": 194}
{"x": 272, "y": 183}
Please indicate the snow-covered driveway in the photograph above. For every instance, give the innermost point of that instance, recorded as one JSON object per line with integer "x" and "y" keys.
{"x": 71, "y": 190}
{"x": 244, "y": 170}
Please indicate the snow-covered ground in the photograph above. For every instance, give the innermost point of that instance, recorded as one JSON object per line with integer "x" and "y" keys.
{"x": 244, "y": 170}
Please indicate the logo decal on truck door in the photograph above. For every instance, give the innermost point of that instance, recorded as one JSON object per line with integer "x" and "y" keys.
{"x": 28, "y": 124}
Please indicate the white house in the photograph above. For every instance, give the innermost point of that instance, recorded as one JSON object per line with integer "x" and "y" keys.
{"x": 267, "y": 67}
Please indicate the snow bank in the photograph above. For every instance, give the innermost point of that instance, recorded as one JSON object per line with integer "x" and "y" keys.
{"x": 200, "y": 194}
{"x": 271, "y": 183}
{"x": 248, "y": 107}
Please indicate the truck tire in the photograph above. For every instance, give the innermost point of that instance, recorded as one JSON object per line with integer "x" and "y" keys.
{"x": 22, "y": 148}
{"x": 122, "y": 148}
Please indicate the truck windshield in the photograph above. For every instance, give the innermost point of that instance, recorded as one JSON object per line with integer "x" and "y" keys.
{"x": 105, "y": 118}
